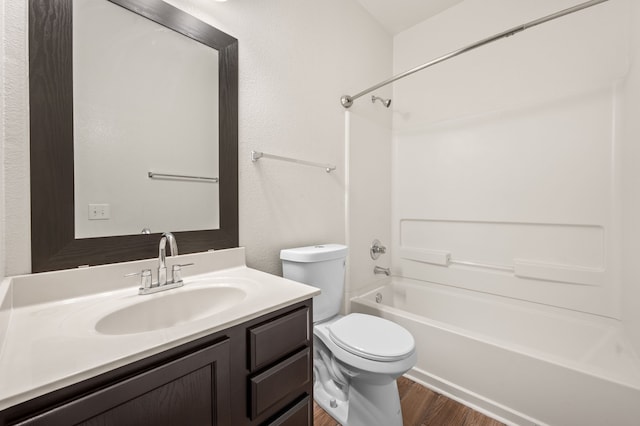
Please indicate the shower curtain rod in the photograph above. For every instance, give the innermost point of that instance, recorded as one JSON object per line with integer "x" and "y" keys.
{"x": 347, "y": 100}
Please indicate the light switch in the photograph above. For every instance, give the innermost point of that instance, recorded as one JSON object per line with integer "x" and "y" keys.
{"x": 99, "y": 211}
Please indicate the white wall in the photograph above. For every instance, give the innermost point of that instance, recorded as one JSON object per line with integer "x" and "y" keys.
{"x": 2, "y": 137}
{"x": 296, "y": 59}
{"x": 15, "y": 140}
{"x": 508, "y": 156}
{"x": 630, "y": 154}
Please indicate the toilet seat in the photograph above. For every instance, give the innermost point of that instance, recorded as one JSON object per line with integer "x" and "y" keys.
{"x": 372, "y": 338}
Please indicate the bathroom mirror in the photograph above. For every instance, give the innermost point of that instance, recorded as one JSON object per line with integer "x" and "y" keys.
{"x": 57, "y": 243}
{"x": 145, "y": 100}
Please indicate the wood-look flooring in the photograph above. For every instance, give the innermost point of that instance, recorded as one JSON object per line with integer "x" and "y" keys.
{"x": 423, "y": 407}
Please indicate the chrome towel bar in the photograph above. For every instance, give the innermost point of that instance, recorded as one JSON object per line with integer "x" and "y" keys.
{"x": 154, "y": 175}
{"x": 256, "y": 155}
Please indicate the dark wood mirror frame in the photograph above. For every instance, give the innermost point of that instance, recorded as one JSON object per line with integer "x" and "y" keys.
{"x": 53, "y": 242}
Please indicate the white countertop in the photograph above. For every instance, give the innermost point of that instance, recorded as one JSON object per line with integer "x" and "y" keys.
{"x": 47, "y": 321}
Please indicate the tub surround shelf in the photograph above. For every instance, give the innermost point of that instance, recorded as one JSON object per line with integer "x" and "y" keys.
{"x": 521, "y": 268}
{"x": 562, "y": 273}
{"x": 48, "y": 321}
{"x": 567, "y": 265}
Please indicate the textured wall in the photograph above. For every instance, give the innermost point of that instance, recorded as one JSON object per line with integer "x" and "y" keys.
{"x": 2, "y": 137}
{"x": 16, "y": 140}
{"x": 296, "y": 59}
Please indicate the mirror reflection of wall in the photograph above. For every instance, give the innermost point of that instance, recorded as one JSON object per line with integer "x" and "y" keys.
{"x": 145, "y": 99}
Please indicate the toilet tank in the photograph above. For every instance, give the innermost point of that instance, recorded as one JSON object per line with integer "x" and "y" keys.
{"x": 321, "y": 266}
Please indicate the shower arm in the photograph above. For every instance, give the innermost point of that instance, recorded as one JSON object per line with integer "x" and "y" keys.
{"x": 347, "y": 100}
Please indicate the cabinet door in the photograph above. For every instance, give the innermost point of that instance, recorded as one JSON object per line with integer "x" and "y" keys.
{"x": 191, "y": 390}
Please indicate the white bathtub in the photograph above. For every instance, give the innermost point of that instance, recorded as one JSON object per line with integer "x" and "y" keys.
{"x": 521, "y": 363}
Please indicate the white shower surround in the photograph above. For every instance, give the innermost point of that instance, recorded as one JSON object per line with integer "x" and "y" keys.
{"x": 517, "y": 160}
{"x": 510, "y": 156}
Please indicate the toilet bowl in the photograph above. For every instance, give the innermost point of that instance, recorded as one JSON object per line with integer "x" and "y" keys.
{"x": 355, "y": 382}
{"x": 357, "y": 357}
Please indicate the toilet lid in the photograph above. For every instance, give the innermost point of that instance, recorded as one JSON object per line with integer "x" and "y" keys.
{"x": 372, "y": 337}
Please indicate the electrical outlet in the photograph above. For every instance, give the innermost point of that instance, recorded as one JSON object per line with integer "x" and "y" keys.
{"x": 99, "y": 211}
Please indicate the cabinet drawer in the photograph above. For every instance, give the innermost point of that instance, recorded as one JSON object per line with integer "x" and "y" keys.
{"x": 298, "y": 415}
{"x": 270, "y": 341}
{"x": 272, "y": 386}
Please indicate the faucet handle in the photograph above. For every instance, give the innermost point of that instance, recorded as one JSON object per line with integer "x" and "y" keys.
{"x": 377, "y": 249}
{"x": 145, "y": 278}
{"x": 176, "y": 271}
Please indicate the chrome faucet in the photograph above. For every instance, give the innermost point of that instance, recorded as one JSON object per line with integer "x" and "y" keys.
{"x": 381, "y": 270}
{"x": 147, "y": 286}
{"x": 162, "y": 256}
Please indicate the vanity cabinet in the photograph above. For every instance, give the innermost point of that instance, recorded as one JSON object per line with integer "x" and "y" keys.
{"x": 256, "y": 373}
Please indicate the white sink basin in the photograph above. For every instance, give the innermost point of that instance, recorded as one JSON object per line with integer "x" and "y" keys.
{"x": 169, "y": 308}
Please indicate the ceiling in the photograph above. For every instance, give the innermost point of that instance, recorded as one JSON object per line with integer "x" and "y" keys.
{"x": 398, "y": 15}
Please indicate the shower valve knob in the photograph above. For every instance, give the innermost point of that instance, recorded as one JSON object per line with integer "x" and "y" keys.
{"x": 377, "y": 249}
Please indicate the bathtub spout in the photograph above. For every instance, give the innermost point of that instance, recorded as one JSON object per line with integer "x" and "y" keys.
{"x": 381, "y": 270}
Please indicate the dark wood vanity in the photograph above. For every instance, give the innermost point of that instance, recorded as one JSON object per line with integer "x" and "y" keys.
{"x": 255, "y": 373}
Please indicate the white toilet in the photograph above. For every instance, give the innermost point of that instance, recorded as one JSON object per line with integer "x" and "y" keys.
{"x": 357, "y": 357}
